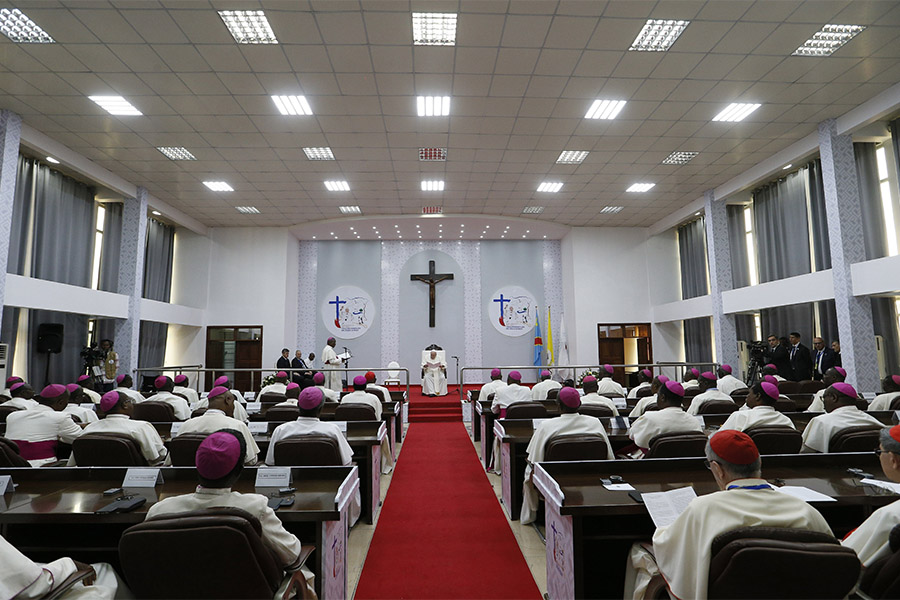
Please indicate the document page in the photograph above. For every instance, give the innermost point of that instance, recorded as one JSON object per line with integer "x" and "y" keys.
{"x": 887, "y": 485}
{"x": 804, "y": 493}
{"x": 664, "y": 507}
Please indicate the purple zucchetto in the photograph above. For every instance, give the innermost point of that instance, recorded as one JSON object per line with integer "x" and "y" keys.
{"x": 771, "y": 390}
{"x": 180, "y": 379}
{"x": 291, "y": 386}
{"x": 359, "y": 380}
{"x": 120, "y": 379}
{"x": 319, "y": 378}
{"x": 161, "y": 382}
{"x": 588, "y": 379}
{"x": 676, "y": 388}
{"x": 281, "y": 375}
{"x": 726, "y": 368}
{"x": 515, "y": 376}
{"x": 708, "y": 375}
{"x": 54, "y": 390}
{"x": 770, "y": 379}
{"x": 109, "y": 401}
{"x": 545, "y": 373}
{"x": 841, "y": 370}
{"x": 83, "y": 378}
{"x": 570, "y": 397}
{"x": 647, "y": 373}
{"x": 495, "y": 372}
{"x": 663, "y": 379}
{"x": 845, "y": 389}
{"x": 72, "y": 388}
{"x": 217, "y": 455}
{"x": 221, "y": 380}
{"x": 310, "y": 398}
{"x": 217, "y": 391}
{"x": 16, "y": 386}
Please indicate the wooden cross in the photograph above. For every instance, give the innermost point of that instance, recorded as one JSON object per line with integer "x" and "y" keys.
{"x": 432, "y": 279}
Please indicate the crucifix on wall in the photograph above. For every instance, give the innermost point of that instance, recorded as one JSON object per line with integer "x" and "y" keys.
{"x": 432, "y": 279}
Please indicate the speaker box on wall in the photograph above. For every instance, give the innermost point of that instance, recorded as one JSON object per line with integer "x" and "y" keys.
{"x": 50, "y": 338}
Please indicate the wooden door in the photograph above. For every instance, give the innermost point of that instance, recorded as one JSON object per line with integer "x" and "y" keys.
{"x": 247, "y": 355}
{"x": 612, "y": 351}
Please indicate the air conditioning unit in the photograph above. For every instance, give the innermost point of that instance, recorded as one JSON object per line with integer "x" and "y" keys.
{"x": 4, "y": 360}
{"x": 743, "y": 360}
{"x": 879, "y": 353}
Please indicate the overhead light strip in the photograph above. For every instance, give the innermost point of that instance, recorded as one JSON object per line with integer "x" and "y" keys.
{"x": 828, "y": 39}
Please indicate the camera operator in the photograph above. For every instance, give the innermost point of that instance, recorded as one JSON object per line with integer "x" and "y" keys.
{"x": 109, "y": 364}
{"x": 778, "y": 355}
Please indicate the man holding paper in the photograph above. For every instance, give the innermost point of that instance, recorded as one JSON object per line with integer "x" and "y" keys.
{"x": 681, "y": 549}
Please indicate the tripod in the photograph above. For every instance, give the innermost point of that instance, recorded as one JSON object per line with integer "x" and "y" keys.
{"x": 754, "y": 370}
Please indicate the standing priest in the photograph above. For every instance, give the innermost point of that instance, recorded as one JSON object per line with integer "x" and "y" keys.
{"x": 434, "y": 375}
{"x": 330, "y": 362}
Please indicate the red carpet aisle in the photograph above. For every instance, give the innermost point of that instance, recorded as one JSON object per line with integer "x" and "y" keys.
{"x": 441, "y": 533}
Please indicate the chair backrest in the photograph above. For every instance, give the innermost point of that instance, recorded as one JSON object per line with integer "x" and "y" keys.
{"x": 394, "y": 373}
{"x": 9, "y": 454}
{"x": 895, "y": 403}
{"x": 594, "y": 410}
{"x": 271, "y": 398}
{"x": 378, "y": 394}
{"x": 775, "y": 439}
{"x": 526, "y": 410}
{"x": 213, "y": 553}
{"x": 673, "y": 445}
{"x": 553, "y": 394}
{"x": 107, "y": 450}
{"x": 881, "y": 579}
{"x": 797, "y": 564}
{"x": 182, "y": 396}
{"x": 810, "y": 386}
{"x": 788, "y": 387}
{"x": 651, "y": 406}
{"x": 644, "y": 391}
{"x": 282, "y": 414}
{"x": 199, "y": 412}
{"x": 313, "y": 450}
{"x": 862, "y": 438}
{"x": 576, "y": 447}
{"x": 154, "y": 412}
{"x": 5, "y": 412}
{"x": 691, "y": 392}
{"x": 183, "y": 448}
{"x": 717, "y": 407}
{"x": 785, "y": 404}
{"x": 740, "y": 396}
{"x": 352, "y": 411}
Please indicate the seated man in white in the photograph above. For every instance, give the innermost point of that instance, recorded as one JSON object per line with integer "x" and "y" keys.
{"x": 434, "y": 375}
{"x": 219, "y": 466}
{"x": 668, "y": 418}
{"x": 493, "y": 385}
{"x": 124, "y": 385}
{"x": 223, "y": 381}
{"x": 74, "y": 408}
{"x": 870, "y": 540}
{"x": 728, "y": 383}
{"x": 840, "y": 413}
{"x": 330, "y": 394}
{"x": 281, "y": 379}
{"x": 291, "y": 393}
{"x": 371, "y": 384}
{"x": 118, "y": 409}
{"x": 641, "y": 407}
{"x": 890, "y": 386}
{"x": 86, "y": 382}
{"x": 22, "y": 396}
{"x": 708, "y": 392}
{"x": 831, "y": 376}
{"x": 540, "y": 390}
{"x": 239, "y": 413}
{"x": 681, "y": 551}
{"x": 164, "y": 386}
{"x": 39, "y": 430}
{"x": 592, "y": 398}
{"x": 5, "y": 392}
{"x": 359, "y": 395}
{"x": 182, "y": 388}
{"x": 689, "y": 379}
{"x": 645, "y": 379}
{"x": 761, "y": 399}
{"x": 772, "y": 370}
{"x": 569, "y": 422}
{"x": 512, "y": 393}
{"x": 220, "y": 415}
{"x": 606, "y": 386}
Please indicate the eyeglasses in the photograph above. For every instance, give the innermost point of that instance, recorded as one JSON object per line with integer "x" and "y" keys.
{"x": 708, "y": 463}
{"x": 878, "y": 451}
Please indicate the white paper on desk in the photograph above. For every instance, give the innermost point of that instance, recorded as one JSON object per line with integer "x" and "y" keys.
{"x": 258, "y": 427}
{"x": 664, "y": 507}
{"x": 618, "y": 487}
{"x": 254, "y": 407}
{"x": 176, "y": 427}
{"x": 620, "y": 402}
{"x": 618, "y": 423}
{"x": 804, "y": 493}
{"x": 6, "y": 484}
{"x": 887, "y": 485}
{"x": 342, "y": 425}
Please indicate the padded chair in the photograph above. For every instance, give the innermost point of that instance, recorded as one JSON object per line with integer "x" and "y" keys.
{"x": 691, "y": 392}
{"x": 107, "y": 450}
{"x": 651, "y": 406}
{"x": 788, "y": 387}
{"x": 863, "y": 438}
{"x": 212, "y": 553}
{"x": 5, "y": 411}
{"x": 553, "y": 394}
{"x": 154, "y": 412}
{"x": 354, "y": 412}
{"x": 313, "y": 450}
{"x": 717, "y": 407}
{"x": 269, "y": 399}
{"x": 576, "y": 447}
{"x": 199, "y": 412}
{"x": 678, "y": 444}
{"x": 644, "y": 391}
{"x": 895, "y": 403}
{"x": 775, "y": 439}
{"x": 810, "y": 386}
{"x": 882, "y": 578}
{"x": 282, "y": 414}
{"x": 188, "y": 400}
{"x": 776, "y": 562}
{"x": 9, "y": 454}
{"x": 593, "y": 410}
{"x": 785, "y": 404}
{"x": 740, "y": 396}
{"x": 393, "y": 376}
{"x": 378, "y": 394}
{"x": 526, "y": 410}
{"x": 183, "y": 448}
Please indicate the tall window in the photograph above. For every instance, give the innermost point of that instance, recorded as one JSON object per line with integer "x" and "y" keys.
{"x": 751, "y": 246}
{"x": 887, "y": 204}
{"x": 98, "y": 247}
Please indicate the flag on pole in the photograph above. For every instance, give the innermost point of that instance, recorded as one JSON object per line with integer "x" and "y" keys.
{"x": 538, "y": 342}
{"x": 551, "y": 358}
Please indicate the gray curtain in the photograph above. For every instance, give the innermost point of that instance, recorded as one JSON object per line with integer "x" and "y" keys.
{"x": 697, "y": 340}
{"x": 152, "y": 344}
{"x": 112, "y": 244}
{"x": 884, "y": 320}
{"x": 874, "y": 232}
{"x": 895, "y": 141}
{"x": 737, "y": 242}
{"x": 782, "y": 320}
{"x": 745, "y": 328}
{"x": 782, "y": 232}
{"x": 692, "y": 253}
{"x": 818, "y": 219}
{"x": 157, "y": 286}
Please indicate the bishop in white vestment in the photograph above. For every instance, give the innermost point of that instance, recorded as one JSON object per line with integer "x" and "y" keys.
{"x": 668, "y": 418}
{"x": 707, "y": 382}
{"x": 761, "y": 399}
{"x": 540, "y": 389}
{"x": 330, "y": 394}
{"x": 841, "y": 413}
{"x": 890, "y": 387}
{"x": 434, "y": 375}
{"x": 330, "y": 362}
{"x": 119, "y": 408}
{"x": 728, "y": 383}
{"x": 493, "y": 385}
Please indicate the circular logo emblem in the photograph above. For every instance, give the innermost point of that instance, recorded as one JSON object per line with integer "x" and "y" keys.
{"x": 348, "y": 312}
{"x": 512, "y": 311}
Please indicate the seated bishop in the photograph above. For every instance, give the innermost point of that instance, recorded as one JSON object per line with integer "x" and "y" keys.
{"x": 840, "y": 413}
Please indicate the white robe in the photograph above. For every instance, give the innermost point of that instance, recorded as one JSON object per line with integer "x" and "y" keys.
{"x": 690, "y": 384}
{"x": 182, "y": 410}
{"x": 41, "y": 424}
{"x": 641, "y": 407}
{"x": 505, "y": 396}
{"x": 387, "y": 394}
{"x": 434, "y": 380}
{"x": 490, "y": 387}
{"x": 818, "y": 402}
{"x": 94, "y": 396}
{"x": 240, "y": 413}
{"x": 540, "y": 389}
{"x": 883, "y": 401}
{"x": 189, "y": 393}
{"x": 84, "y": 415}
{"x": 594, "y": 399}
{"x": 608, "y": 386}
{"x": 143, "y": 433}
{"x": 273, "y": 388}
{"x": 657, "y": 422}
{"x": 21, "y": 403}
{"x": 330, "y": 394}
{"x": 364, "y": 397}
{"x": 729, "y": 384}
{"x": 330, "y": 361}
{"x": 632, "y": 393}
{"x": 700, "y": 399}
{"x": 819, "y": 430}
{"x": 870, "y": 540}
{"x": 215, "y": 420}
{"x": 759, "y": 416}
{"x": 135, "y": 396}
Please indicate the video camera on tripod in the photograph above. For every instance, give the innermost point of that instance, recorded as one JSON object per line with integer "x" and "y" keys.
{"x": 92, "y": 357}
{"x": 757, "y": 351}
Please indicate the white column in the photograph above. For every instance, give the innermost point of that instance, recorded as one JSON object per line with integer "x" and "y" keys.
{"x": 10, "y": 133}
{"x": 719, "y": 259}
{"x": 131, "y": 278}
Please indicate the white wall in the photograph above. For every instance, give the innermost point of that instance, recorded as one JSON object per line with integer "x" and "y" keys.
{"x": 190, "y": 271}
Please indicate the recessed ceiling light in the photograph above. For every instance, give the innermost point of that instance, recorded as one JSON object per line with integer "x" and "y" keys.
{"x": 351, "y": 210}
{"x": 248, "y": 26}
{"x": 609, "y": 210}
{"x": 314, "y": 237}
{"x": 787, "y": 166}
{"x": 116, "y": 105}
{"x": 432, "y": 210}
{"x": 434, "y": 29}
{"x": 20, "y": 29}
{"x": 247, "y": 210}
{"x": 433, "y": 106}
{"x": 432, "y": 154}
{"x": 658, "y": 35}
{"x": 292, "y": 105}
{"x": 218, "y": 186}
{"x": 433, "y": 186}
{"x": 736, "y": 112}
{"x": 52, "y": 160}
{"x": 156, "y": 213}
{"x": 176, "y": 153}
{"x": 502, "y": 236}
{"x": 697, "y": 214}
{"x": 605, "y": 109}
{"x": 828, "y": 39}
{"x": 679, "y": 158}
{"x": 640, "y": 187}
{"x": 337, "y": 186}
{"x": 319, "y": 153}
{"x": 572, "y": 157}
{"x": 532, "y": 210}
{"x": 487, "y": 226}
{"x": 550, "y": 186}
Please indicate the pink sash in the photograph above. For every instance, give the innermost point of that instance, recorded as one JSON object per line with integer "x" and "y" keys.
{"x": 502, "y": 413}
{"x": 37, "y": 450}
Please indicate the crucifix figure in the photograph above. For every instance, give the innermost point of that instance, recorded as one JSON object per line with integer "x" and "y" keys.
{"x": 432, "y": 279}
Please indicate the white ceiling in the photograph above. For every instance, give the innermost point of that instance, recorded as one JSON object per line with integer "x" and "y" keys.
{"x": 522, "y": 75}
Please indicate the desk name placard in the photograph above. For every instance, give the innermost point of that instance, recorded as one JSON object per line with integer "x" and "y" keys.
{"x": 342, "y": 425}
{"x": 258, "y": 427}
{"x": 254, "y": 407}
{"x": 176, "y": 427}
{"x": 273, "y": 477}
{"x": 6, "y": 484}
{"x": 142, "y": 478}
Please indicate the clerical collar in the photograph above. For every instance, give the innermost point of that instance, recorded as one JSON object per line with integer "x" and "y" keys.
{"x": 215, "y": 411}
{"x": 117, "y": 416}
{"x": 750, "y": 483}
{"x": 213, "y": 491}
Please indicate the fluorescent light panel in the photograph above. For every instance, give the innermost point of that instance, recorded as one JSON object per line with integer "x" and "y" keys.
{"x": 351, "y": 210}
{"x": 434, "y": 29}
{"x": 319, "y": 153}
{"x": 550, "y": 186}
{"x": 610, "y": 210}
{"x": 432, "y": 154}
{"x": 176, "y": 153}
{"x": 116, "y": 105}
{"x": 433, "y": 106}
{"x": 337, "y": 186}
{"x": 52, "y": 160}
{"x": 248, "y": 26}
{"x": 247, "y": 210}
{"x": 432, "y": 186}
{"x": 736, "y": 112}
{"x": 532, "y": 210}
{"x": 15, "y": 25}
{"x": 658, "y": 35}
{"x": 218, "y": 186}
{"x": 828, "y": 39}
{"x": 572, "y": 157}
{"x": 679, "y": 158}
{"x": 605, "y": 109}
{"x": 292, "y": 105}
{"x": 640, "y": 187}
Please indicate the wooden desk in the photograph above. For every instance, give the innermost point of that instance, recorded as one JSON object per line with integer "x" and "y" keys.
{"x": 590, "y": 529}
{"x": 473, "y": 396}
{"x": 391, "y": 414}
{"x": 51, "y": 514}
{"x": 486, "y": 422}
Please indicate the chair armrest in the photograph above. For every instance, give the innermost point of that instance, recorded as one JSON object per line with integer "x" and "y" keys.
{"x": 68, "y": 583}
{"x": 305, "y": 551}
{"x": 657, "y": 589}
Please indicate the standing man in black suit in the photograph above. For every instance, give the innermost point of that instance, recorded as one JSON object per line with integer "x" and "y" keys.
{"x": 801, "y": 359}
{"x": 778, "y": 356}
{"x": 823, "y": 358}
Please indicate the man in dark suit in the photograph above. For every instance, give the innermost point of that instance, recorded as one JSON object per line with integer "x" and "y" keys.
{"x": 836, "y": 346}
{"x": 823, "y": 358}
{"x": 778, "y": 356}
{"x": 284, "y": 363}
{"x": 801, "y": 359}
{"x": 300, "y": 370}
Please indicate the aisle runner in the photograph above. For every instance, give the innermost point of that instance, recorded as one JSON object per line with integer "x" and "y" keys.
{"x": 442, "y": 533}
